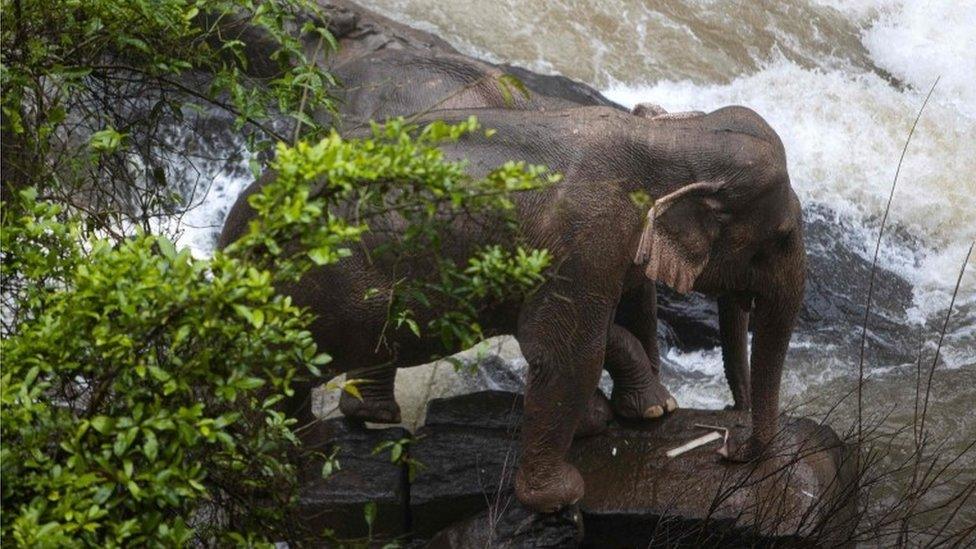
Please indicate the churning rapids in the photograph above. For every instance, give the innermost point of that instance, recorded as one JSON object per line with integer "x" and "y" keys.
{"x": 841, "y": 81}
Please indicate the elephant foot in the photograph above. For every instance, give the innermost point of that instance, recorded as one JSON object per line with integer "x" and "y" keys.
{"x": 648, "y": 402}
{"x": 548, "y": 490}
{"x": 596, "y": 417}
{"x": 373, "y": 410}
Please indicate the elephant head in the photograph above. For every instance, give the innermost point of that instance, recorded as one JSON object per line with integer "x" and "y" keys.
{"x": 729, "y": 224}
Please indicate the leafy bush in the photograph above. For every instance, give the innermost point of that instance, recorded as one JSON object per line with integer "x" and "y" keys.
{"x": 140, "y": 384}
{"x": 138, "y": 391}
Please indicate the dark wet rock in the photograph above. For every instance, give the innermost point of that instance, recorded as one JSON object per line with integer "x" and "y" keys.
{"x": 512, "y": 525}
{"x": 837, "y": 289}
{"x": 337, "y": 502}
{"x": 635, "y": 495}
{"x": 688, "y": 322}
{"x": 467, "y": 465}
{"x": 499, "y": 410}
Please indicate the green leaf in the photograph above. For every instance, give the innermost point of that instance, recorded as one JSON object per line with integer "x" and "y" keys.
{"x": 369, "y": 514}
{"x": 166, "y": 247}
{"x": 105, "y": 141}
{"x": 321, "y": 256}
{"x": 150, "y": 447}
{"x": 102, "y": 424}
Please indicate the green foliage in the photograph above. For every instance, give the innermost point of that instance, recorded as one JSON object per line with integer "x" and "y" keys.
{"x": 140, "y": 385}
{"x": 139, "y": 390}
{"x": 90, "y": 90}
{"x": 400, "y": 454}
{"x": 398, "y": 172}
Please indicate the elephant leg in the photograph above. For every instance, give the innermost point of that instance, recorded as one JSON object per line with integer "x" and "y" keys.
{"x": 733, "y": 324}
{"x": 637, "y": 312}
{"x": 637, "y": 389}
{"x": 563, "y": 338}
{"x": 378, "y": 405}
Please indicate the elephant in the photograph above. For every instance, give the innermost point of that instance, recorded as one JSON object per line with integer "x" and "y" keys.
{"x": 390, "y": 83}
{"x": 725, "y": 221}
{"x": 393, "y": 82}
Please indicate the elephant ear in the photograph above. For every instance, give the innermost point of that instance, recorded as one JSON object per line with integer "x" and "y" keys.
{"x": 678, "y": 235}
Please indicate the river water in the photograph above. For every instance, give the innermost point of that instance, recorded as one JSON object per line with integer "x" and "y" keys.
{"x": 841, "y": 82}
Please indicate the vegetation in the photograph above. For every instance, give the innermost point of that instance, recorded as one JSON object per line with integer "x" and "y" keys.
{"x": 140, "y": 384}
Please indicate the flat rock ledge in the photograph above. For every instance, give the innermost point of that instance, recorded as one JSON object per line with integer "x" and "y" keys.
{"x": 461, "y": 495}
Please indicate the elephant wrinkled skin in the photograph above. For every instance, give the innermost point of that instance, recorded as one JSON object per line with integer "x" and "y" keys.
{"x": 726, "y": 223}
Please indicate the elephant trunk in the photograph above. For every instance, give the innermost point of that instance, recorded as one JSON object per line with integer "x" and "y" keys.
{"x": 774, "y": 316}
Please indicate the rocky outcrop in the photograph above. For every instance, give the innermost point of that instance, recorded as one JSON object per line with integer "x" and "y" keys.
{"x": 337, "y": 501}
{"x": 635, "y": 495}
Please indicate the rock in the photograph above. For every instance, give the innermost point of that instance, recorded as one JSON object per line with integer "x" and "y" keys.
{"x": 634, "y": 493}
{"x": 499, "y": 410}
{"x": 512, "y": 525}
{"x": 688, "y": 322}
{"x": 494, "y": 364}
{"x": 837, "y": 290}
{"x": 637, "y": 496}
{"x": 337, "y": 502}
{"x": 467, "y": 464}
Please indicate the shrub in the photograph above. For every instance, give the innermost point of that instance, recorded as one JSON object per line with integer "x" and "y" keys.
{"x": 140, "y": 384}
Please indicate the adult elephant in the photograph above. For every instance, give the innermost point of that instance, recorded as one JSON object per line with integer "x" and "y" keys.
{"x": 725, "y": 222}
{"x": 396, "y": 82}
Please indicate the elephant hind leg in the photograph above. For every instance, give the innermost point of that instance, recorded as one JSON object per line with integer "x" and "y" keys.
{"x": 637, "y": 389}
{"x": 378, "y": 404}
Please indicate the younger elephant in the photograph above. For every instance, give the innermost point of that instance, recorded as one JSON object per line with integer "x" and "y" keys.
{"x": 725, "y": 222}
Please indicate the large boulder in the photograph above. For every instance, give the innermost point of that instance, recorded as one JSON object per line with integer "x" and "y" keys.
{"x": 469, "y": 451}
{"x": 338, "y": 500}
{"x": 635, "y": 495}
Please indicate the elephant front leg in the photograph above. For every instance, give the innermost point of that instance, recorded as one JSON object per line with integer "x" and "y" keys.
{"x": 637, "y": 389}
{"x": 563, "y": 341}
{"x": 733, "y": 323}
{"x": 773, "y": 328}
